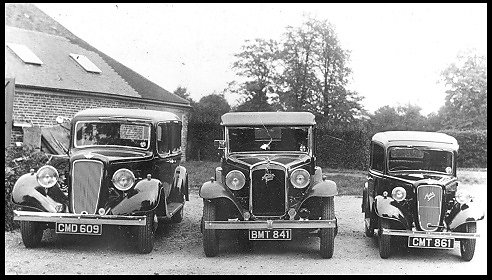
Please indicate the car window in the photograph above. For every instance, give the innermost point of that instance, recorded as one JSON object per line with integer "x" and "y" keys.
{"x": 169, "y": 140}
{"x": 377, "y": 157}
{"x": 112, "y": 134}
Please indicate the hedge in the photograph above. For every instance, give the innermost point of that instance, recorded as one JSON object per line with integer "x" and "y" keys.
{"x": 473, "y": 147}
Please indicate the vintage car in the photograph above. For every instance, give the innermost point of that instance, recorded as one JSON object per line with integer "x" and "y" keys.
{"x": 123, "y": 169}
{"x": 412, "y": 197}
{"x": 268, "y": 186}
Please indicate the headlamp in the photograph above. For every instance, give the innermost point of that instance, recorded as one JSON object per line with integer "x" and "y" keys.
{"x": 300, "y": 178}
{"x": 123, "y": 179}
{"x": 47, "y": 176}
{"x": 235, "y": 180}
{"x": 399, "y": 194}
{"x": 463, "y": 197}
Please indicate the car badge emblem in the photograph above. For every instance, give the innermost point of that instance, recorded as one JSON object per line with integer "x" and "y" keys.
{"x": 89, "y": 155}
{"x": 268, "y": 176}
{"x": 429, "y": 196}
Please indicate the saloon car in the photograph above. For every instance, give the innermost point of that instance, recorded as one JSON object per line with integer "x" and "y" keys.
{"x": 268, "y": 186}
{"x": 123, "y": 169}
{"x": 412, "y": 196}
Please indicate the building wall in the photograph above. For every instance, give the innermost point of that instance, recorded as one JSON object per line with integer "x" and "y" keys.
{"x": 40, "y": 108}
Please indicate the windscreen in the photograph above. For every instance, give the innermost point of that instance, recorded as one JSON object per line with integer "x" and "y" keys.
{"x": 413, "y": 158}
{"x": 112, "y": 134}
{"x": 268, "y": 138}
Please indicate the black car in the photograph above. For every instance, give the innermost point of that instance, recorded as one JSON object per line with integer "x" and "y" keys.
{"x": 123, "y": 169}
{"x": 412, "y": 194}
{"x": 268, "y": 186}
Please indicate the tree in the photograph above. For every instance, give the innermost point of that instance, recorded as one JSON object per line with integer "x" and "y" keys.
{"x": 465, "y": 104}
{"x": 407, "y": 117}
{"x": 210, "y": 108}
{"x": 257, "y": 63}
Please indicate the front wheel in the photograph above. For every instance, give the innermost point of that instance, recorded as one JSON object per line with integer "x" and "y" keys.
{"x": 210, "y": 240}
{"x": 145, "y": 235}
{"x": 467, "y": 246}
{"x": 327, "y": 237}
{"x": 384, "y": 239}
{"x": 32, "y": 233}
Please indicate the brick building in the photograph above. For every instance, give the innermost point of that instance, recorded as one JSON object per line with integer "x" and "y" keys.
{"x": 52, "y": 72}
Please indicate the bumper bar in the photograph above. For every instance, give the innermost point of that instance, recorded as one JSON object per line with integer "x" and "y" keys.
{"x": 461, "y": 235}
{"x": 79, "y": 218}
{"x": 270, "y": 224}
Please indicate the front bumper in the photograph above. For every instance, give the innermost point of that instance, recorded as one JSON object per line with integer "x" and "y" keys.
{"x": 79, "y": 218}
{"x": 459, "y": 235}
{"x": 270, "y": 224}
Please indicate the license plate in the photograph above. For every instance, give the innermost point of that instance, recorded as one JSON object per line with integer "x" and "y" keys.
{"x": 69, "y": 228}
{"x": 426, "y": 242}
{"x": 270, "y": 234}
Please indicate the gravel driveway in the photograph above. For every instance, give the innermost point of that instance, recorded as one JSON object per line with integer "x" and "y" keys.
{"x": 178, "y": 250}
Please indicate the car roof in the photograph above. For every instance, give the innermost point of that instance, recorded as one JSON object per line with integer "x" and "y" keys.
{"x": 416, "y": 138}
{"x": 268, "y": 118}
{"x": 143, "y": 114}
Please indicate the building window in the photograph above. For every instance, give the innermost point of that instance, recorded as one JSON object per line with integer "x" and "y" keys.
{"x": 25, "y": 54}
{"x": 83, "y": 61}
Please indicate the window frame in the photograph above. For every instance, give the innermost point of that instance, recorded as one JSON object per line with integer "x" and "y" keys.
{"x": 173, "y": 152}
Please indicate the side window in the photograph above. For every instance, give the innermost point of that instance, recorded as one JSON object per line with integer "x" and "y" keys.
{"x": 377, "y": 157}
{"x": 169, "y": 138}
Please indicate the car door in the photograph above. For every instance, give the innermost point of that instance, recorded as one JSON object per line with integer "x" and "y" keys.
{"x": 168, "y": 138}
{"x": 376, "y": 170}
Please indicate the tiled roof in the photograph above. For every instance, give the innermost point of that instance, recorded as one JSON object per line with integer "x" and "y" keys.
{"x": 58, "y": 69}
{"x": 28, "y": 16}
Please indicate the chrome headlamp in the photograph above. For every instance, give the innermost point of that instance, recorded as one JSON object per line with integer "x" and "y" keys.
{"x": 47, "y": 176}
{"x": 463, "y": 197}
{"x": 300, "y": 178}
{"x": 235, "y": 180}
{"x": 399, "y": 194}
{"x": 123, "y": 179}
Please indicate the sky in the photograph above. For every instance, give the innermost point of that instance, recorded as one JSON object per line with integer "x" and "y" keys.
{"x": 397, "y": 51}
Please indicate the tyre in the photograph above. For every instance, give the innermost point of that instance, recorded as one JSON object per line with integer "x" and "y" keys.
{"x": 210, "y": 240}
{"x": 32, "y": 233}
{"x": 384, "y": 239}
{"x": 467, "y": 246}
{"x": 245, "y": 245}
{"x": 178, "y": 216}
{"x": 145, "y": 235}
{"x": 327, "y": 235}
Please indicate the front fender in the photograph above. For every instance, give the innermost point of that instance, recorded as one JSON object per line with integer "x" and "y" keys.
{"x": 28, "y": 193}
{"x": 469, "y": 212}
{"x": 215, "y": 189}
{"x": 385, "y": 208}
{"x": 324, "y": 188}
{"x": 143, "y": 197}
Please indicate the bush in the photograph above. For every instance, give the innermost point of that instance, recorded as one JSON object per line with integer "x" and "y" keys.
{"x": 473, "y": 147}
{"x": 18, "y": 161}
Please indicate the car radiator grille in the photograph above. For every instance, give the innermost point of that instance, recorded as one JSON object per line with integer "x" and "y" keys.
{"x": 429, "y": 201}
{"x": 86, "y": 184}
{"x": 268, "y": 192}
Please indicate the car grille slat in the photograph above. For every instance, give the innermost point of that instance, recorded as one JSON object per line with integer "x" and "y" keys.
{"x": 429, "y": 200}
{"x": 268, "y": 196}
{"x": 86, "y": 185}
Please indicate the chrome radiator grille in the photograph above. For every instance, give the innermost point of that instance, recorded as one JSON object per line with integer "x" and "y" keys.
{"x": 86, "y": 184}
{"x": 429, "y": 201}
{"x": 268, "y": 195}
